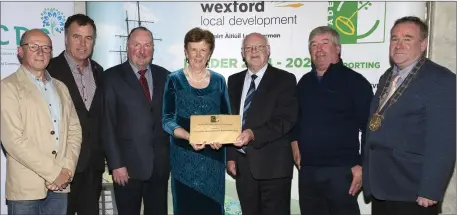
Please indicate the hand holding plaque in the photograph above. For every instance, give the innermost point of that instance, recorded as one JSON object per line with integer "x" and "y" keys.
{"x": 222, "y": 129}
{"x": 198, "y": 146}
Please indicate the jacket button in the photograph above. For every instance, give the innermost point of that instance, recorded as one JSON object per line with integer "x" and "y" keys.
{"x": 52, "y": 132}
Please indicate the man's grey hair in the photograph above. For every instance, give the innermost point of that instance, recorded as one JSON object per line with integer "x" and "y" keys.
{"x": 324, "y": 30}
{"x": 264, "y": 37}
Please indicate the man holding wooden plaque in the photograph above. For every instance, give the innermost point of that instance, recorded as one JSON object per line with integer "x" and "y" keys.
{"x": 261, "y": 160}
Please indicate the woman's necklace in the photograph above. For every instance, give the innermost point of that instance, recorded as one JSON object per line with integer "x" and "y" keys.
{"x": 188, "y": 73}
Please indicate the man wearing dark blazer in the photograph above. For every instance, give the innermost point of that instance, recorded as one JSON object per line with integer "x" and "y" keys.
{"x": 81, "y": 75}
{"x": 410, "y": 147}
{"x": 137, "y": 148}
{"x": 261, "y": 160}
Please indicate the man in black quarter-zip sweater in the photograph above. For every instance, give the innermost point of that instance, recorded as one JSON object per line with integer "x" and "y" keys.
{"x": 334, "y": 106}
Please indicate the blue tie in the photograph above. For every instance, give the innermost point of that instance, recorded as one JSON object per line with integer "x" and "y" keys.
{"x": 247, "y": 104}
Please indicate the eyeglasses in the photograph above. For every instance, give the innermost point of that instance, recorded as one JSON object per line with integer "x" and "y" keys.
{"x": 254, "y": 48}
{"x": 35, "y": 47}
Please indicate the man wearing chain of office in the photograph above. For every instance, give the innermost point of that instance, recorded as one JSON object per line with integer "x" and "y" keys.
{"x": 410, "y": 147}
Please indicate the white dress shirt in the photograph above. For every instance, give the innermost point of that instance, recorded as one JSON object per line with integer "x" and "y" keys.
{"x": 247, "y": 83}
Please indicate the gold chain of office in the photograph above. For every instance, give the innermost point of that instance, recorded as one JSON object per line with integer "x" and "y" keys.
{"x": 378, "y": 116}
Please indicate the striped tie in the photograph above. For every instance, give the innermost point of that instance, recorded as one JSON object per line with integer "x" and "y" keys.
{"x": 247, "y": 104}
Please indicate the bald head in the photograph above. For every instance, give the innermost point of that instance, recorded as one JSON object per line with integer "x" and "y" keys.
{"x": 35, "y": 50}
{"x": 255, "y": 51}
{"x": 34, "y": 33}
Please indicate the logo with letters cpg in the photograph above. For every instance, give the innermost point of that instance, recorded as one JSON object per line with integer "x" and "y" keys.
{"x": 214, "y": 119}
{"x": 358, "y": 21}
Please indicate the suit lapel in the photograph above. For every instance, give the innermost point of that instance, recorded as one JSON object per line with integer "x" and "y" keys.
{"x": 405, "y": 92}
{"x": 237, "y": 91}
{"x": 130, "y": 78}
{"x": 157, "y": 87}
{"x": 69, "y": 80}
{"x": 377, "y": 95}
{"x": 96, "y": 70}
{"x": 262, "y": 90}
{"x": 261, "y": 93}
{"x": 33, "y": 91}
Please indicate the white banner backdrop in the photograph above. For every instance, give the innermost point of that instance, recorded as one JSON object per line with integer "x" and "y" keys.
{"x": 16, "y": 18}
{"x": 364, "y": 28}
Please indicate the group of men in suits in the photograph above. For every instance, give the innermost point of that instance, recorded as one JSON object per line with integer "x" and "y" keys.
{"x": 407, "y": 151}
{"x": 61, "y": 117}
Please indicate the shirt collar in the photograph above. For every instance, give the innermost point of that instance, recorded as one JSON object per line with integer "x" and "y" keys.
{"x": 32, "y": 77}
{"x": 136, "y": 70}
{"x": 72, "y": 62}
{"x": 405, "y": 71}
{"x": 259, "y": 74}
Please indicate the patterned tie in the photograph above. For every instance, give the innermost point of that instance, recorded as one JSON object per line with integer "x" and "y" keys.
{"x": 393, "y": 86}
{"x": 247, "y": 104}
{"x": 144, "y": 84}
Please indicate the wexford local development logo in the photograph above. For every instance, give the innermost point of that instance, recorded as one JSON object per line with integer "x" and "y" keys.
{"x": 358, "y": 21}
{"x": 53, "y": 20}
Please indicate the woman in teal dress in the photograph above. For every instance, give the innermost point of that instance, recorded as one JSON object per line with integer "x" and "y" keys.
{"x": 197, "y": 170}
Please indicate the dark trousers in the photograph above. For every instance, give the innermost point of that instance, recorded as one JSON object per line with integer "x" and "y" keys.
{"x": 265, "y": 197}
{"x": 386, "y": 207}
{"x": 85, "y": 192}
{"x": 153, "y": 193}
{"x": 325, "y": 191}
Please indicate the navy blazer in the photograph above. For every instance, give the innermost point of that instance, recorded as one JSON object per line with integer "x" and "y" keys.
{"x": 413, "y": 152}
{"x": 131, "y": 126}
{"x": 271, "y": 116}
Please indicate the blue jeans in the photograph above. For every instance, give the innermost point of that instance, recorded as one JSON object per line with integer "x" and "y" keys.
{"x": 53, "y": 204}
